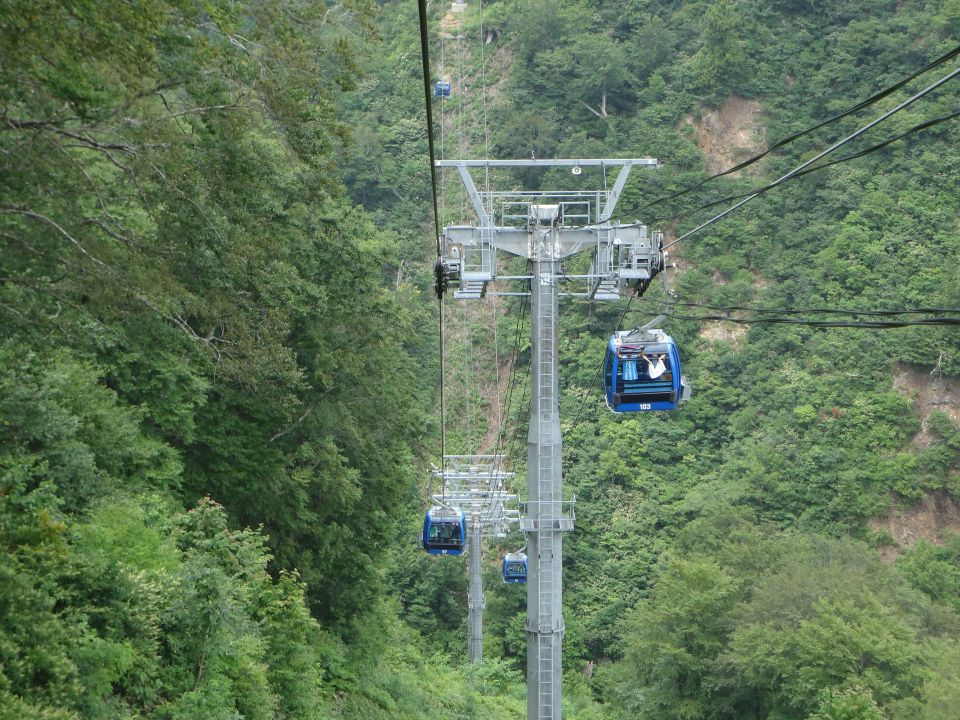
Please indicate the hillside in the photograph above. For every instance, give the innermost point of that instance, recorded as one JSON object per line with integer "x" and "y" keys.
{"x": 219, "y": 362}
{"x": 806, "y": 433}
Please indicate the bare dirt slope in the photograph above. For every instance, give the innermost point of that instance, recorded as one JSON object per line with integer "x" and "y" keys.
{"x": 937, "y": 515}
{"x": 933, "y": 519}
{"x": 730, "y": 134}
{"x": 930, "y": 391}
{"x": 715, "y": 332}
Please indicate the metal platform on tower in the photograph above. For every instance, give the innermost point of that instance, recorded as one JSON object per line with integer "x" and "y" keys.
{"x": 476, "y": 485}
{"x": 583, "y": 220}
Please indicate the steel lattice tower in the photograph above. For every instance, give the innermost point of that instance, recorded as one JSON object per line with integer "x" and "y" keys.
{"x": 545, "y": 227}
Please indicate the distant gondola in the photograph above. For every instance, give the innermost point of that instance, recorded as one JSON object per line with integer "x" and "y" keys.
{"x": 442, "y": 89}
{"x": 515, "y": 567}
{"x": 444, "y": 531}
{"x": 642, "y": 372}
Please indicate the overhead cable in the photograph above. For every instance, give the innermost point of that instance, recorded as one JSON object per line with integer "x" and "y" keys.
{"x": 822, "y": 166}
{"x": 428, "y": 104}
{"x": 797, "y": 135}
{"x": 867, "y": 324}
{"x": 930, "y": 88}
{"x": 811, "y": 311}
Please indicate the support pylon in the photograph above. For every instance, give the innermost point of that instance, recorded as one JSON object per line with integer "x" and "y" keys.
{"x": 546, "y": 227}
{"x": 475, "y": 600}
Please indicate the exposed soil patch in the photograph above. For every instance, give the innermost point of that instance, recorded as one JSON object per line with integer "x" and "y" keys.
{"x": 932, "y": 519}
{"x": 730, "y": 134}
{"x": 930, "y": 393}
{"x": 937, "y": 515}
{"x": 724, "y": 332}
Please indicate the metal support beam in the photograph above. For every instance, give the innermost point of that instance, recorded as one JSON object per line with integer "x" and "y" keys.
{"x": 485, "y": 220}
{"x": 476, "y": 484}
{"x": 544, "y": 625}
{"x": 557, "y": 162}
{"x": 475, "y": 601}
{"x": 613, "y": 197}
{"x": 545, "y": 237}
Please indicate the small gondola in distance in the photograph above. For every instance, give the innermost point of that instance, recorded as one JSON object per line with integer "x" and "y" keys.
{"x": 444, "y": 531}
{"x": 515, "y": 567}
{"x": 642, "y": 372}
{"x": 442, "y": 89}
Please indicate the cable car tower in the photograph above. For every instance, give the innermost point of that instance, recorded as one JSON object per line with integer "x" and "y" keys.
{"x": 545, "y": 227}
{"x": 476, "y": 485}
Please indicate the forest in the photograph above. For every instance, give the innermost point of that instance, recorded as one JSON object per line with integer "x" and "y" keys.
{"x": 220, "y": 361}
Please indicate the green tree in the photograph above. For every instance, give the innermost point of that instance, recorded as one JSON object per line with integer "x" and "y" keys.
{"x": 719, "y": 63}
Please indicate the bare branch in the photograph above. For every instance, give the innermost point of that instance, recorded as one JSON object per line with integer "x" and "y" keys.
{"x": 196, "y": 110}
{"x": 13, "y": 311}
{"x": 18, "y": 123}
{"x": 89, "y": 141}
{"x": 591, "y": 109}
{"x": 54, "y": 224}
{"x": 103, "y": 226}
{"x": 213, "y": 341}
{"x": 292, "y": 426}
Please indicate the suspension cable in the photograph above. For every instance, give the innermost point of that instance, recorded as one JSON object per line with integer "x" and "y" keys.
{"x": 811, "y": 310}
{"x": 864, "y": 324}
{"x": 797, "y": 135}
{"x": 930, "y": 88}
{"x": 511, "y": 383}
{"x": 926, "y": 124}
{"x": 428, "y": 105}
{"x": 486, "y": 182}
{"x": 483, "y": 89}
{"x": 428, "y": 102}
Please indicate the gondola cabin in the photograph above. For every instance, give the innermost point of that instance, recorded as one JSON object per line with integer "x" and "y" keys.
{"x": 642, "y": 372}
{"x": 515, "y": 568}
{"x": 444, "y": 531}
{"x": 441, "y": 89}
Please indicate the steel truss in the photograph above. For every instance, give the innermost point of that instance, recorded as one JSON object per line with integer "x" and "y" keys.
{"x": 545, "y": 227}
{"x": 476, "y": 484}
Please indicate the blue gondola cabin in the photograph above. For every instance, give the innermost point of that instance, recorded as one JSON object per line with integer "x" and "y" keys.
{"x": 444, "y": 531}
{"x": 515, "y": 568}
{"x": 441, "y": 89}
{"x": 642, "y": 372}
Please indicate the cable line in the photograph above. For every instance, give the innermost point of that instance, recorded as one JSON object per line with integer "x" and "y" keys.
{"x": 866, "y": 324}
{"x": 772, "y": 316}
{"x": 428, "y": 101}
{"x": 797, "y": 135}
{"x": 812, "y": 311}
{"x": 846, "y": 158}
{"x": 510, "y": 386}
{"x": 811, "y": 161}
{"x": 439, "y": 272}
{"x": 483, "y": 87}
{"x": 781, "y": 316}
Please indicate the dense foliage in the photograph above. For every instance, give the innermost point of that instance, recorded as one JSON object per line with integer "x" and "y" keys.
{"x": 796, "y": 430}
{"x": 195, "y": 341}
{"x": 218, "y": 365}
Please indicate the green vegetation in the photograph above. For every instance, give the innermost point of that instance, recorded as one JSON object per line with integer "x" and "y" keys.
{"x": 218, "y": 366}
